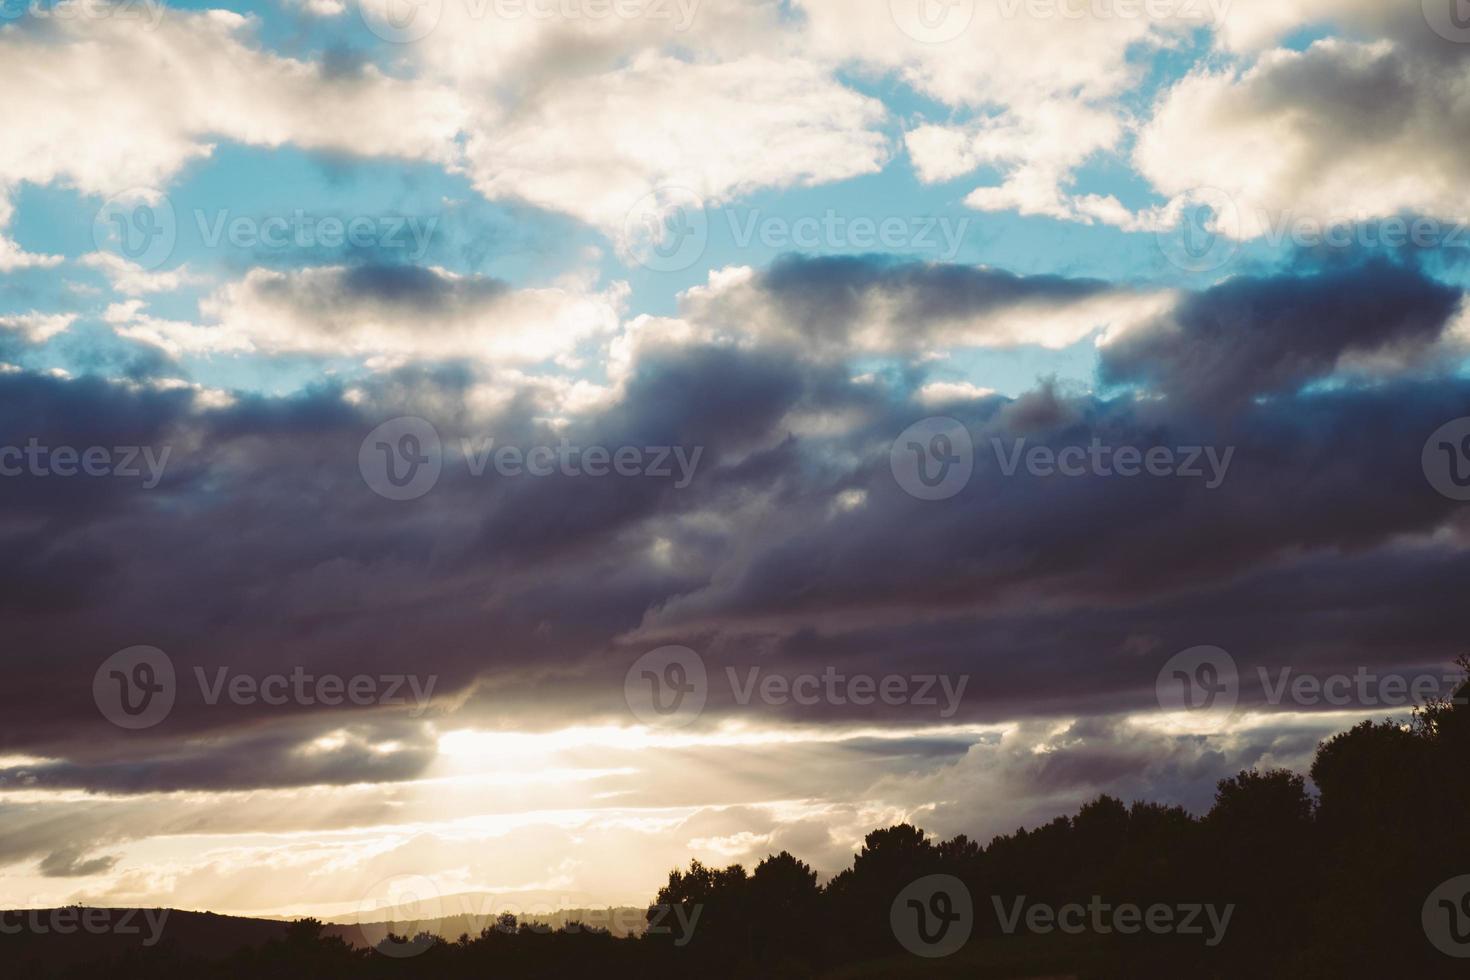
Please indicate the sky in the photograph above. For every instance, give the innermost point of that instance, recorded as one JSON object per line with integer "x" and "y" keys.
{"x": 518, "y": 446}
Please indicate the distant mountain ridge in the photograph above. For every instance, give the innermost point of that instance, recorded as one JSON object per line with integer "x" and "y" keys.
{"x": 78, "y": 934}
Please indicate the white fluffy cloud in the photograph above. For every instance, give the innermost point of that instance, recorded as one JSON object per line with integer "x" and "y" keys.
{"x": 1344, "y": 131}
{"x": 1039, "y": 88}
{"x": 595, "y": 146}
{"x": 37, "y": 328}
{"x": 80, "y": 109}
{"x": 132, "y": 279}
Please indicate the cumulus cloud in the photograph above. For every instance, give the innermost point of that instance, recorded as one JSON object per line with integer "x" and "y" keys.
{"x": 83, "y": 114}
{"x": 1252, "y": 336}
{"x": 761, "y": 122}
{"x": 1344, "y": 131}
{"x": 132, "y": 279}
{"x": 392, "y": 313}
{"x": 1035, "y": 96}
{"x": 870, "y": 304}
{"x": 36, "y": 328}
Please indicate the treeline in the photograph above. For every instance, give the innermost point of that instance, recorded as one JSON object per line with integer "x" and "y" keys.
{"x": 1334, "y": 885}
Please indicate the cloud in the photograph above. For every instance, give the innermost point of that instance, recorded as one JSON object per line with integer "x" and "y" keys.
{"x": 12, "y": 256}
{"x": 1033, "y": 97}
{"x": 635, "y": 133}
{"x": 1252, "y": 336}
{"x": 37, "y": 328}
{"x": 870, "y": 304}
{"x": 1345, "y": 131}
{"x": 83, "y": 114}
{"x": 387, "y": 312}
{"x": 132, "y": 279}
{"x": 70, "y": 863}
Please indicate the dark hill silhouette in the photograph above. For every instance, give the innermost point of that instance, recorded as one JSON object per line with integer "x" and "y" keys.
{"x": 1363, "y": 880}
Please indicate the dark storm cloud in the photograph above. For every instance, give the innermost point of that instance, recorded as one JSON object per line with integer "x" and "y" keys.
{"x": 250, "y": 761}
{"x": 1253, "y": 336}
{"x": 841, "y": 305}
{"x": 263, "y": 550}
{"x": 824, "y": 295}
{"x": 71, "y": 862}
